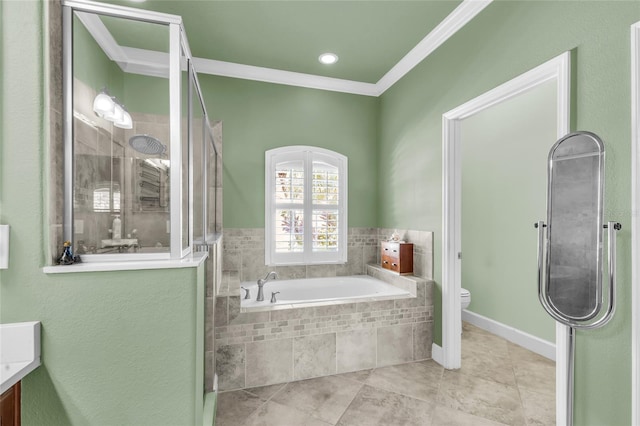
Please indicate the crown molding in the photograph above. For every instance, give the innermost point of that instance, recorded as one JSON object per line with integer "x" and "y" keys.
{"x": 102, "y": 36}
{"x": 465, "y": 12}
{"x": 270, "y": 75}
{"x": 155, "y": 64}
{"x": 146, "y": 62}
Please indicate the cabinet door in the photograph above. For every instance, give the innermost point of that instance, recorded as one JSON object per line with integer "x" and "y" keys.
{"x": 10, "y": 406}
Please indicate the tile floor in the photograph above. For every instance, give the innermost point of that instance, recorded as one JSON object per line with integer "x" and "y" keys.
{"x": 499, "y": 383}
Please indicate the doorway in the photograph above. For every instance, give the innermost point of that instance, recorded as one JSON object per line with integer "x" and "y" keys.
{"x": 556, "y": 70}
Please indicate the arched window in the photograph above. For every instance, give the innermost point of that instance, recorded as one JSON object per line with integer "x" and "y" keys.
{"x": 305, "y": 206}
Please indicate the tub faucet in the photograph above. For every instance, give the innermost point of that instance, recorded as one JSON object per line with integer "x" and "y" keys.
{"x": 262, "y": 282}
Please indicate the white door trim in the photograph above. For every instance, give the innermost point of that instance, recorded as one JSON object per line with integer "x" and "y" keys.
{"x": 635, "y": 225}
{"x": 559, "y": 69}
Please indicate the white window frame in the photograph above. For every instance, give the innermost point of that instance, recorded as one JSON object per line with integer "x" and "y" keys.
{"x": 307, "y": 154}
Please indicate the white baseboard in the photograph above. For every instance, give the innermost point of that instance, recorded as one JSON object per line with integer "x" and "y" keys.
{"x": 436, "y": 354}
{"x": 526, "y": 340}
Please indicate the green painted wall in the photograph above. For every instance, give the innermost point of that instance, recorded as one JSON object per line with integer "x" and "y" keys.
{"x": 505, "y": 40}
{"x": 99, "y": 329}
{"x": 118, "y": 347}
{"x": 146, "y": 94}
{"x": 138, "y": 34}
{"x": 260, "y": 116}
{"x": 92, "y": 66}
{"x": 504, "y": 154}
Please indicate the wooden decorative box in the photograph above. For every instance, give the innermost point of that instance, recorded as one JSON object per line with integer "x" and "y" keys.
{"x": 397, "y": 257}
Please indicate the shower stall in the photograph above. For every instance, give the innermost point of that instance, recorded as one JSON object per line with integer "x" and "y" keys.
{"x": 141, "y": 161}
{"x": 136, "y": 166}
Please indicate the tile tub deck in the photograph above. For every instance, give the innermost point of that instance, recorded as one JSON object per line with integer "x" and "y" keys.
{"x": 268, "y": 347}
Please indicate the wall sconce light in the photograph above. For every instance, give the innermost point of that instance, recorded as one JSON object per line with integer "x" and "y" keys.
{"x": 109, "y": 108}
{"x": 123, "y": 118}
{"x": 103, "y": 105}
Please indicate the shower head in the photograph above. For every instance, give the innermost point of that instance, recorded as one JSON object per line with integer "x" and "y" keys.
{"x": 147, "y": 144}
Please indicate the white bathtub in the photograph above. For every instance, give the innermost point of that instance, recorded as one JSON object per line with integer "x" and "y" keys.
{"x": 299, "y": 293}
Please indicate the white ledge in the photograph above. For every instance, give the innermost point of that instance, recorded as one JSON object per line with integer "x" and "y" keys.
{"x": 191, "y": 261}
{"x": 19, "y": 352}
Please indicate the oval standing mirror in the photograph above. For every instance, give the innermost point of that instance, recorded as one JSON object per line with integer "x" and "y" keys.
{"x": 575, "y": 219}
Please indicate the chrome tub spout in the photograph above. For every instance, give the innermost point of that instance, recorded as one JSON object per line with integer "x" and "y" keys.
{"x": 262, "y": 282}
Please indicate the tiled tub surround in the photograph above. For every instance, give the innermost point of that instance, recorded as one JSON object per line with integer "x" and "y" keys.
{"x": 243, "y": 253}
{"x": 277, "y": 346}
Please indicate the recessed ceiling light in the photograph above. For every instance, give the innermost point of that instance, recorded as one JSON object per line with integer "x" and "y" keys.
{"x": 328, "y": 58}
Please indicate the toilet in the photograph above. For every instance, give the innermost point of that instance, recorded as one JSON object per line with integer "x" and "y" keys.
{"x": 465, "y": 298}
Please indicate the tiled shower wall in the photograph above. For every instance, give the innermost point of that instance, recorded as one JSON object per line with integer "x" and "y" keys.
{"x": 214, "y": 262}
{"x": 56, "y": 143}
{"x": 213, "y": 275}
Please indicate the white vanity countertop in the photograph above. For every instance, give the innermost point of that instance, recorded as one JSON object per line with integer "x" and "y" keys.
{"x": 19, "y": 352}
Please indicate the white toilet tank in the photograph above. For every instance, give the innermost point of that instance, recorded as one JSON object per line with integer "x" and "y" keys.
{"x": 465, "y": 298}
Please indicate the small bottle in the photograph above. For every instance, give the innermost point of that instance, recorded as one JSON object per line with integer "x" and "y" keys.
{"x": 116, "y": 228}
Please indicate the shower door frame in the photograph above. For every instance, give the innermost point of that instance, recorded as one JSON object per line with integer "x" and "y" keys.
{"x": 635, "y": 225}
{"x": 178, "y": 50}
{"x": 559, "y": 69}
